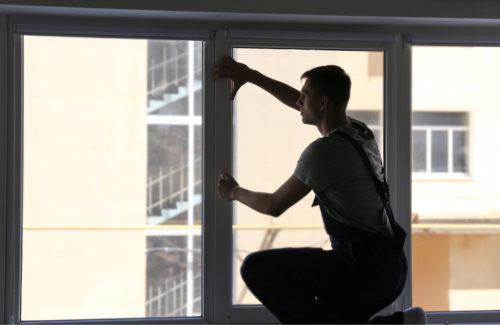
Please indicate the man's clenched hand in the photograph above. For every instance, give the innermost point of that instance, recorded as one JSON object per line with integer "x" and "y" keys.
{"x": 228, "y": 68}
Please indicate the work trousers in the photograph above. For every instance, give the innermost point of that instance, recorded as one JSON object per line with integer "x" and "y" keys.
{"x": 346, "y": 285}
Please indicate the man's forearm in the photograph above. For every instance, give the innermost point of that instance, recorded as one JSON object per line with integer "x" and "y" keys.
{"x": 260, "y": 202}
{"x": 283, "y": 92}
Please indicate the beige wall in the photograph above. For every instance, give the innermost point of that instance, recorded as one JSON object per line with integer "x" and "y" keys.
{"x": 461, "y": 79}
{"x": 84, "y": 165}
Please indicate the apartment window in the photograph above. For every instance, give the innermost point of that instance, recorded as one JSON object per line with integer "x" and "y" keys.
{"x": 112, "y": 178}
{"x": 440, "y": 143}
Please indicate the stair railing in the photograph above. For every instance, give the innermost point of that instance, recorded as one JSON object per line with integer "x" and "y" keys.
{"x": 168, "y": 194}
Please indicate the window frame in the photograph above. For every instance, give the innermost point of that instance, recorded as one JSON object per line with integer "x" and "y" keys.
{"x": 480, "y": 37}
{"x": 428, "y": 174}
{"x": 384, "y": 42}
{"x": 216, "y": 139}
{"x": 17, "y": 27}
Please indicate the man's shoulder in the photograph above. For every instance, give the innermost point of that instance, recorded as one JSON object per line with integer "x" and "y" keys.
{"x": 327, "y": 145}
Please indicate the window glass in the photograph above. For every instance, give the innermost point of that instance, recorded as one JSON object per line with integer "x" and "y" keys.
{"x": 455, "y": 215}
{"x": 434, "y": 149}
{"x": 460, "y": 151}
{"x": 269, "y": 138}
{"x": 111, "y": 178}
{"x": 440, "y": 118}
{"x": 439, "y": 143}
{"x": 419, "y": 149}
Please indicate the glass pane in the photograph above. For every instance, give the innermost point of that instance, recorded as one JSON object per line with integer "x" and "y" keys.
{"x": 419, "y": 152}
{"x": 267, "y": 149}
{"x": 439, "y": 151}
{"x": 439, "y": 119}
{"x": 456, "y": 220}
{"x": 111, "y": 179}
{"x": 460, "y": 152}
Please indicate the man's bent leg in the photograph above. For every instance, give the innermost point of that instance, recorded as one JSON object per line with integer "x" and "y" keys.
{"x": 287, "y": 281}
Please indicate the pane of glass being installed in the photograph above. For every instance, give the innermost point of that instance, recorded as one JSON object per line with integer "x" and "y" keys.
{"x": 455, "y": 203}
{"x": 111, "y": 178}
{"x": 269, "y": 138}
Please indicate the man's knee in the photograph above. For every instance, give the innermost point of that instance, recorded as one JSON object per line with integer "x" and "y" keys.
{"x": 251, "y": 265}
{"x": 257, "y": 265}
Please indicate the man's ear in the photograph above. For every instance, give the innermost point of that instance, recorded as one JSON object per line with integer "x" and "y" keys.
{"x": 323, "y": 101}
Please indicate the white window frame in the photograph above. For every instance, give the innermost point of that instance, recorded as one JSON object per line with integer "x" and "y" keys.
{"x": 21, "y": 25}
{"x": 385, "y": 42}
{"x": 458, "y": 37}
{"x": 428, "y": 174}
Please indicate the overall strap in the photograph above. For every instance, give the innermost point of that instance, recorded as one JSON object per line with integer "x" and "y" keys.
{"x": 381, "y": 186}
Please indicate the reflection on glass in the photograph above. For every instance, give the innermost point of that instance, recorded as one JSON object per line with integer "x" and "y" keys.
{"x": 460, "y": 151}
{"x": 269, "y": 139}
{"x": 111, "y": 178}
{"x": 439, "y": 145}
{"x": 456, "y": 220}
{"x": 419, "y": 151}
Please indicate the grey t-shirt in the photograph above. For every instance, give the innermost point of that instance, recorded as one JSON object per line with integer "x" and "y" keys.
{"x": 335, "y": 171}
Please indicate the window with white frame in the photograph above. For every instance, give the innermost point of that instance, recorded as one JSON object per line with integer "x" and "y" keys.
{"x": 112, "y": 178}
{"x": 440, "y": 143}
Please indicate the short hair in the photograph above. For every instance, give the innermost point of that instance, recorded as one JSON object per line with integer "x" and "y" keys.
{"x": 331, "y": 81}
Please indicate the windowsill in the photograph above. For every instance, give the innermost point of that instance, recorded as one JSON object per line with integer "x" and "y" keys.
{"x": 441, "y": 177}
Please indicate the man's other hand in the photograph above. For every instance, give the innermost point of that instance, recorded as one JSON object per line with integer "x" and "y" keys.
{"x": 228, "y": 68}
{"x": 226, "y": 186}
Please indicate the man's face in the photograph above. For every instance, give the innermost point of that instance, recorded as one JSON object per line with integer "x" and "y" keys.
{"x": 309, "y": 104}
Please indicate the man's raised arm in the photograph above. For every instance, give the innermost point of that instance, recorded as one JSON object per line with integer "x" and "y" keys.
{"x": 239, "y": 74}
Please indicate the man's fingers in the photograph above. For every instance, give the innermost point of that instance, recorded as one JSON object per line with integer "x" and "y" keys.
{"x": 236, "y": 87}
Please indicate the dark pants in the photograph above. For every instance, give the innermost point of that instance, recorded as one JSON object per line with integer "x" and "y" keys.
{"x": 310, "y": 285}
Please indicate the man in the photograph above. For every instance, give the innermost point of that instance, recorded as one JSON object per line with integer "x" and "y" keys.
{"x": 366, "y": 269}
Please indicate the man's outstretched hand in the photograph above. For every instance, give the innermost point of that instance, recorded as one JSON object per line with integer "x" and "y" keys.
{"x": 226, "y": 186}
{"x": 228, "y": 68}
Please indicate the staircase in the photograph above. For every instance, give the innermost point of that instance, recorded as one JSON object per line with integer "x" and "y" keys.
{"x": 171, "y": 188}
{"x": 182, "y": 92}
{"x": 169, "y": 213}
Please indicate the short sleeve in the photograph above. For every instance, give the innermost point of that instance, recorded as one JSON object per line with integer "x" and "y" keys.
{"x": 312, "y": 167}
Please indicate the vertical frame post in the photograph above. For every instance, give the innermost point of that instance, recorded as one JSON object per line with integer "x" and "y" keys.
{"x": 398, "y": 143}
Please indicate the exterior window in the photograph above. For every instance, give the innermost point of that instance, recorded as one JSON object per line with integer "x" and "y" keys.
{"x": 440, "y": 143}
{"x": 112, "y": 178}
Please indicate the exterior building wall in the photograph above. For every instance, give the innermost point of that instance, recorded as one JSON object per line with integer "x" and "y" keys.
{"x": 462, "y": 84}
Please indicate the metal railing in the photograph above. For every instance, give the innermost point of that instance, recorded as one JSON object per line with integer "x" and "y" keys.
{"x": 169, "y": 298}
{"x": 167, "y": 193}
{"x": 161, "y": 69}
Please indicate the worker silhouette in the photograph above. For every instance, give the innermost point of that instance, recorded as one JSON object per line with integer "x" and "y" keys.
{"x": 366, "y": 269}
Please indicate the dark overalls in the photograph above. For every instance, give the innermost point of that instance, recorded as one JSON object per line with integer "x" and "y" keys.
{"x": 362, "y": 274}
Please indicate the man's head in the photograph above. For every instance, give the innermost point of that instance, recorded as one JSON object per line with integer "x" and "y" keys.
{"x": 330, "y": 81}
{"x": 326, "y": 90}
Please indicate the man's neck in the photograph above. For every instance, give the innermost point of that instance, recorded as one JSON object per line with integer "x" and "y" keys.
{"x": 326, "y": 126}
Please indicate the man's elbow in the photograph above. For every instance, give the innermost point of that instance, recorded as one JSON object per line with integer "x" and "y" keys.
{"x": 274, "y": 209}
{"x": 275, "y": 213}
